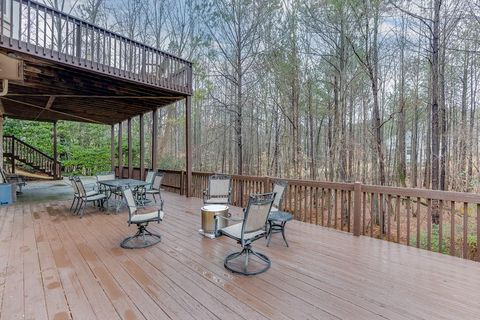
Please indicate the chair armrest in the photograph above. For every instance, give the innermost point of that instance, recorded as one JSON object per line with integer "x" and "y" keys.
{"x": 228, "y": 218}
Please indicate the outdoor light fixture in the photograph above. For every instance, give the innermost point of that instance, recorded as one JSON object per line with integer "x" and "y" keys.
{"x": 10, "y": 69}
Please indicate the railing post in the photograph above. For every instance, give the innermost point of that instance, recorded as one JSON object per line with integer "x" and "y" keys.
{"x": 12, "y": 151}
{"x": 357, "y": 207}
{"x": 55, "y": 152}
{"x": 182, "y": 183}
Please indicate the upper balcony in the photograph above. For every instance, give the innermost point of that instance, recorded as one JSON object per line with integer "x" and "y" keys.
{"x": 87, "y": 72}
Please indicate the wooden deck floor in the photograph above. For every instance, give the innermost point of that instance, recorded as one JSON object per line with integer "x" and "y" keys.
{"x": 57, "y": 266}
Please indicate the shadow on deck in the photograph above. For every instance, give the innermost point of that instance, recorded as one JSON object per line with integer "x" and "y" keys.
{"x": 56, "y": 266}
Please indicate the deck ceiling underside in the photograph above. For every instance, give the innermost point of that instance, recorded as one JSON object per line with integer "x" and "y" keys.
{"x": 54, "y": 91}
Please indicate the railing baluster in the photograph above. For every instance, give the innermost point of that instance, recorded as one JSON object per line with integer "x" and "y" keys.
{"x": 397, "y": 217}
{"x": 429, "y": 224}
{"x": 364, "y": 211}
{"x": 389, "y": 213}
{"x": 381, "y": 215}
{"x": 477, "y": 256}
{"x": 335, "y": 208}
{"x": 408, "y": 220}
{"x": 440, "y": 226}
{"x": 418, "y": 221}
{"x": 465, "y": 230}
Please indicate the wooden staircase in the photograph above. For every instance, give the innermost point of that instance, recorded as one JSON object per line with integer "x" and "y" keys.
{"x": 15, "y": 150}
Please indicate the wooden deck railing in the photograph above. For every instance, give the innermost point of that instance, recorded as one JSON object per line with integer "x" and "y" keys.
{"x": 441, "y": 221}
{"x": 17, "y": 150}
{"x": 36, "y": 29}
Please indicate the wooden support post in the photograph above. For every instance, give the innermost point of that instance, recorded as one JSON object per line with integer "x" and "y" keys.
{"x": 188, "y": 145}
{"x": 357, "y": 207}
{"x": 2, "y": 112}
{"x": 12, "y": 154}
{"x": 154, "y": 139}
{"x": 120, "y": 151}
{"x": 130, "y": 149}
{"x": 142, "y": 147}
{"x": 112, "y": 147}
{"x": 55, "y": 152}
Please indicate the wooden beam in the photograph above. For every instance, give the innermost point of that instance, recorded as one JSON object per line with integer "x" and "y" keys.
{"x": 112, "y": 147}
{"x": 120, "y": 151}
{"x": 55, "y": 151}
{"x": 92, "y": 96}
{"x": 142, "y": 147}
{"x": 188, "y": 145}
{"x": 54, "y": 111}
{"x": 50, "y": 102}
{"x": 154, "y": 139}
{"x": 129, "y": 148}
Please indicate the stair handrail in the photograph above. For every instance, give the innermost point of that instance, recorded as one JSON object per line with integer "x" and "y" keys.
{"x": 29, "y": 146}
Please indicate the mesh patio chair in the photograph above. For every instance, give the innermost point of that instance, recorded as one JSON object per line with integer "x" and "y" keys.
{"x": 143, "y": 238}
{"x": 251, "y": 228}
{"x": 149, "y": 178}
{"x": 98, "y": 199}
{"x": 156, "y": 185}
{"x": 279, "y": 187}
{"x": 104, "y": 176}
{"x": 14, "y": 179}
{"x": 76, "y": 194}
{"x": 219, "y": 190}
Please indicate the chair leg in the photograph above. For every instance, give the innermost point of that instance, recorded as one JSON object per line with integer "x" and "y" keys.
{"x": 78, "y": 206}
{"x": 73, "y": 202}
{"x": 269, "y": 233}
{"x": 83, "y": 209}
{"x": 154, "y": 199}
{"x": 283, "y": 233}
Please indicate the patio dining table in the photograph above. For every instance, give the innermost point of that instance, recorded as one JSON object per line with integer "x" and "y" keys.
{"x": 115, "y": 185}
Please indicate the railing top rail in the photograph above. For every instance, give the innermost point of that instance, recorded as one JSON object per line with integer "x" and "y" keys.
{"x": 349, "y": 186}
{"x": 29, "y": 146}
{"x": 424, "y": 193}
{"x": 124, "y": 38}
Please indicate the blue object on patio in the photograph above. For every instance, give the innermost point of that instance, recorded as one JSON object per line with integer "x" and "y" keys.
{"x": 6, "y": 193}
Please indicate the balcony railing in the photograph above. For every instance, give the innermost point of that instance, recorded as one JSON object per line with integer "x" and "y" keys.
{"x": 33, "y": 28}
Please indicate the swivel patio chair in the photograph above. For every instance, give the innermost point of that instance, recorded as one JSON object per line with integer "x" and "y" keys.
{"x": 279, "y": 188}
{"x": 143, "y": 238}
{"x": 251, "y": 228}
{"x": 98, "y": 199}
{"x": 219, "y": 190}
{"x": 149, "y": 178}
{"x": 104, "y": 176}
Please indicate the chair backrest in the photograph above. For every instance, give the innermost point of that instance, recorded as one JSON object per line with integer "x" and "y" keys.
{"x": 149, "y": 178}
{"x": 130, "y": 200}
{"x": 157, "y": 181}
{"x": 80, "y": 187}
{"x": 104, "y": 176}
{"x": 257, "y": 211}
{"x": 219, "y": 185}
{"x": 3, "y": 176}
{"x": 74, "y": 185}
{"x": 279, "y": 187}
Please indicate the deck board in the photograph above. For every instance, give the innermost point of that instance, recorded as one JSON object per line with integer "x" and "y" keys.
{"x": 56, "y": 266}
